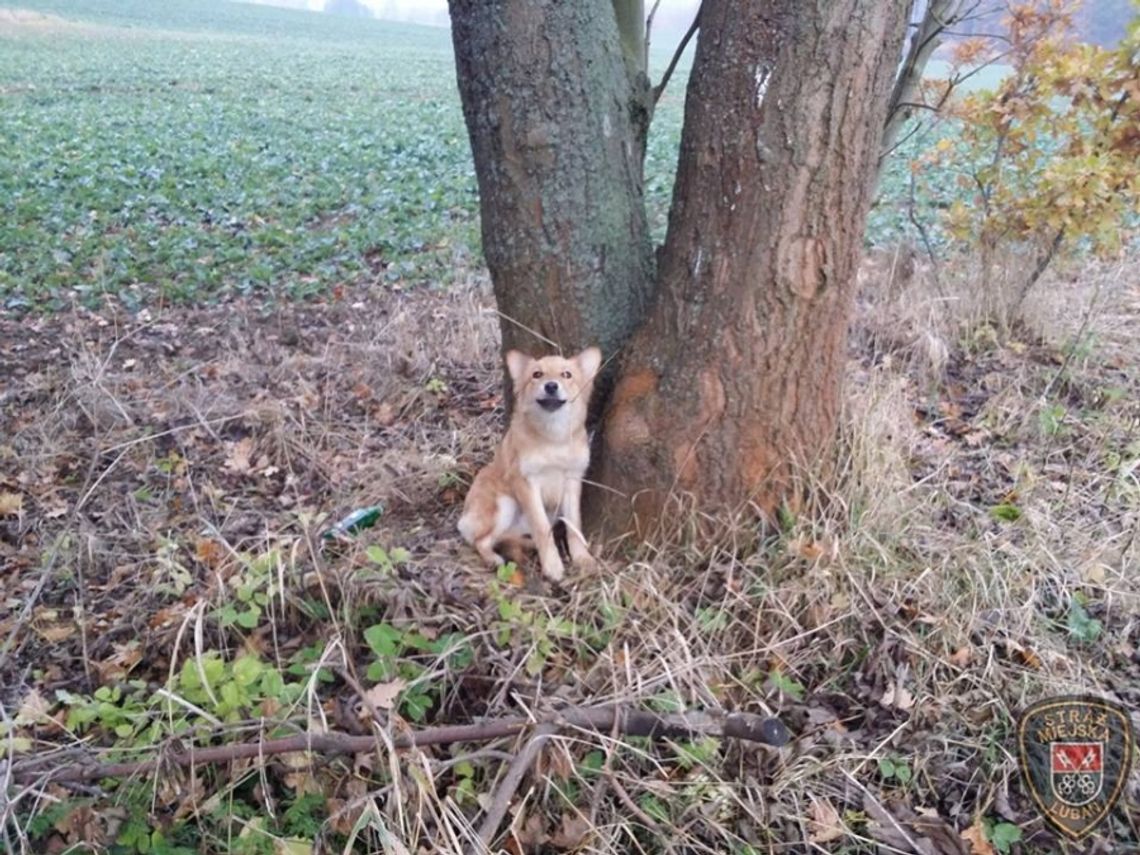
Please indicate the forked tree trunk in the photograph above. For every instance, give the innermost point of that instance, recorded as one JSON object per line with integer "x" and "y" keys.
{"x": 735, "y": 378}
{"x": 555, "y": 112}
{"x": 734, "y": 374}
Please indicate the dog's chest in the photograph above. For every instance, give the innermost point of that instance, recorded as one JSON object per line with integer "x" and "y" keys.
{"x": 550, "y": 470}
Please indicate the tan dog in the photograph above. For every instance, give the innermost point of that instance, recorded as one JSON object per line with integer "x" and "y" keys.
{"x": 536, "y": 476}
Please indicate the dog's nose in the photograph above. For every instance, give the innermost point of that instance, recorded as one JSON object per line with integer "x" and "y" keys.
{"x": 551, "y": 388}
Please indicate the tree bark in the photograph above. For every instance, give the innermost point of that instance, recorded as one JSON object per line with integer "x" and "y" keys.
{"x": 557, "y": 122}
{"x": 734, "y": 380}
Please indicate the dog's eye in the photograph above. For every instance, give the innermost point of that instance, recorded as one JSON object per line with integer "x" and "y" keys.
{"x": 536, "y": 375}
{"x": 566, "y": 375}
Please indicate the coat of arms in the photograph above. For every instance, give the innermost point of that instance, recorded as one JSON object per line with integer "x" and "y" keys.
{"x": 1075, "y": 754}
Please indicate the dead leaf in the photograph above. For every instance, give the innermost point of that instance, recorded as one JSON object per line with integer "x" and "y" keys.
{"x": 961, "y": 657}
{"x": 33, "y": 709}
{"x": 11, "y": 504}
{"x": 209, "y": 552}
{"x": 343, "y": 815}
{"x": 81, "y": 825}
{"x": 572, "y": 833}
{"x": 1094, "y": 573}
{"x": 825, "y": 821}
{"x": 56, "y": 511}
{"x": 897, "y": 696}
{"x": 45, "y": 623}
{"x": 808, "y": 549}
{"x": 121, "y": 662}
{"x": 383, "y": 695}
{"x": 975, "y": 835}
{"x": 1024, "y": 655}
{"x": 530, "y": 835}
{"x": 238, "y": 456}
{"x": 976, "y": 437}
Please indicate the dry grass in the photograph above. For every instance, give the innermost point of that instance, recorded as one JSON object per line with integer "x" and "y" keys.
{"x": 896, "y": 619}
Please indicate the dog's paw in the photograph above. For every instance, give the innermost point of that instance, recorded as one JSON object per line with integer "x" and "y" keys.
{"x": 554, "y": 570}
{"x": 585, "y": 562}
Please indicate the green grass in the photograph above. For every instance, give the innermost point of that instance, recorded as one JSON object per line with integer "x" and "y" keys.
{"x": 188, "y": 151}
{"x": 222, "y": 148}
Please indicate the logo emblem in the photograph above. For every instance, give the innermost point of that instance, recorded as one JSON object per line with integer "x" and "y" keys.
{"x": 1075, "y": 754}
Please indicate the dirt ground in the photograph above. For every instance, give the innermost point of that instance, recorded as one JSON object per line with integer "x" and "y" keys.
{"x": 988, "y": 477}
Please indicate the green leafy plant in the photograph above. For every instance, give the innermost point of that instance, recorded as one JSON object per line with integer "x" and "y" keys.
{"x": 1002, "y": 835}
{"x": 1006, "y": 512}
{"x": 396, "y": 652}
{"x": 1084, "y": 628}
{"x": 895, "y": 770}
{"x": 520, "y": 625}
{"x": 787, "y": 685}
{"x": 253, "y": 587}
{"x": 387, "y": 560}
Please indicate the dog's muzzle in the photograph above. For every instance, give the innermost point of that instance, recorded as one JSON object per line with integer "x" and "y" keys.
{"x": 551, "y": 404}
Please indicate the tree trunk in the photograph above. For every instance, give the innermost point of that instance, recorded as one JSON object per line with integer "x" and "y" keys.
{"x": 557, "y": 123}
{"x": 734, "y": 380}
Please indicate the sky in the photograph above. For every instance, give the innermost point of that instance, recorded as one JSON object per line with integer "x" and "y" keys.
{"x": 673, "y": 16}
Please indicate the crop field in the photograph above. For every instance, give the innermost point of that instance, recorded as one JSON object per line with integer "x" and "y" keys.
{"x": 193, "y": 149}
{"x": 241, "y": 297}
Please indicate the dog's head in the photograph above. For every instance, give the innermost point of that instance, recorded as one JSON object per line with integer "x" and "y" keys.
{"x": 553, "y": 384}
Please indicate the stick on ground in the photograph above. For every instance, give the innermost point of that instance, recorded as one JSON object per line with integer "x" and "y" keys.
{"x": 746, "y": 726}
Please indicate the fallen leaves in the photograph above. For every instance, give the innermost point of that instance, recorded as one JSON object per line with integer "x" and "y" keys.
{"x": 383, "y": 696}
{"x": 11, "y": 504}
{"x": 33, "y": 709}
{"x": 897, "y": 825}
{"x": 975, "y": 835}
{"x": 897, "y": 696}
{"x": 238, "y": 456}
{"x": 824, "y": 821}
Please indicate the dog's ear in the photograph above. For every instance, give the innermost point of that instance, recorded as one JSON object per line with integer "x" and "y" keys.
{"x": 589, "y": 361}
{"x": 517, "y": 363}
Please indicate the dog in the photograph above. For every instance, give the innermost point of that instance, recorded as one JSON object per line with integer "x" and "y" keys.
{"x": 536, "y": 476}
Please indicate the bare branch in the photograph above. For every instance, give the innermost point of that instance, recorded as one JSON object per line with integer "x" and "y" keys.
{"x": 660, "y": 87}
{"x": 938, "y": 17}
{"x": 649, "y": 29}
{"x": 489, "y": 830}
{"x": 747, "y": 726}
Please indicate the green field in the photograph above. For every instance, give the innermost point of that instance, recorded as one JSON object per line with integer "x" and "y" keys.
{"x": 196, "y": 149}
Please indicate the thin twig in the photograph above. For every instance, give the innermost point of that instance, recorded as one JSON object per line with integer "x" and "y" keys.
{"x": 630, "y": 805}
{"x": 659, "y": 89}
{"x": 649, "y": 30}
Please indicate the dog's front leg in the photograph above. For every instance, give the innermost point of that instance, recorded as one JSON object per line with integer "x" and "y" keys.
{"x": 540, "y": 527}
{"x": 572, "y": 514}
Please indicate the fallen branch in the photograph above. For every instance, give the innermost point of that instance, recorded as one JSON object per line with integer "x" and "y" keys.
{"x": 746, "y": 726}
{"x": 489, "y": 830}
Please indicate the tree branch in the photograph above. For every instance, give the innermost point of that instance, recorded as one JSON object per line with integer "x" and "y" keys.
{"x": 746, "y": 726}
{"x": 489, "y": 830}
{"x": 649, "y": 31}
{"x": 630, "y": 16}
{"x": 660, "y": 87}
{"x": 939, "y": 15}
